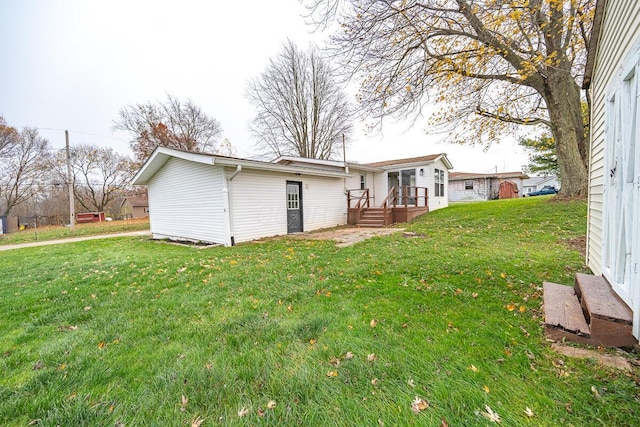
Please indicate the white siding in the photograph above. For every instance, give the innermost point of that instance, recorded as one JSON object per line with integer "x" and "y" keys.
{"x": 615, "y": 43}
{"x": 258, "y": 203}
{"x": 457, "y": 192}
{"x": 429, "y": 174}
{"x": 186, "y": 202}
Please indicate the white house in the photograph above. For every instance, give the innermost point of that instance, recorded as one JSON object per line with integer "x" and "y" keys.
{"x": 226, "y": 200}
{"x": 610, "y": 298}
{"x": 613, "y": 236}
{"x": 471, "y": 186}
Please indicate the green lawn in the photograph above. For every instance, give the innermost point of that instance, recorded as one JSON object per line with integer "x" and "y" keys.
{"x": 129, "y": 331}
{"x": 61, "y": 232}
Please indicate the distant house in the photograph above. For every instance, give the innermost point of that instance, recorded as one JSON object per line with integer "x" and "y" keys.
{"x": 135, "y": 207}
{"x": 536, "y": 183}
{"x": 470, "y": 186}
{"x": 227, "y": 200}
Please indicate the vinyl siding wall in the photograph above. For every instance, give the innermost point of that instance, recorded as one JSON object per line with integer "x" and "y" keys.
{"x": 186, "y": 202}
{"x": 259, "y": 209}
{"x": 480, "y": 191}
{"x": 619, "y": 31}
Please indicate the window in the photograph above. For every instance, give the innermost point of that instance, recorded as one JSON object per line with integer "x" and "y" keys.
{"x": 468, "y": 184}
{"x": 293, "y": 197}
{"x": 439, "y": 180}
{"x": 363, "y": 182}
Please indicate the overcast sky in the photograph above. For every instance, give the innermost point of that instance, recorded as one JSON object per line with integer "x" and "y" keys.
{"x": 73, "y": 64}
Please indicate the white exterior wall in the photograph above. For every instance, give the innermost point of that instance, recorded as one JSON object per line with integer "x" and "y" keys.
{"x": 430, "y": 183}
{"x": 259, "y": 208}
{"x": 457, "y": 192}
{"x": 615, "y": 43}
{"x": 186, "y": 202}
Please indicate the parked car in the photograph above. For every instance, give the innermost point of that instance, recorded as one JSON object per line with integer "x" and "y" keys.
{"x": 547, "y": 189}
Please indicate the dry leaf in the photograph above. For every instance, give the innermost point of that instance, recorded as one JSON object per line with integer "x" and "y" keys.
{"x": 411, "y": 383}
{"x": 522, "y": 309}
{"x": 271, "y": 404}
{"x": 595, "y": 392}
{"x": 242, "y": 412}
{"x": 197, "y": 422}
{"x": 492, "y": 416}
{"x": 474, "y": 369}
{"x": 348, "y": 356}
{"x": 332, "y": 373}
{"x": 371, "y": 357}
{"x": 183, "y": 403}
{"x": 475, "y": 295}
{"x": 486, "y": 389}
{"x": 101, "y": 345}
{"x": 334, "y": 361}
{"x": 373, "y": 323}
{"x": 418, "y": 405}
{"x": 458, "y": 291}
{"x": 87, "y": 308}
{"x": 374, "y": 381}
{"x": 528, "y": 412}
{"x": 443, "y": 423}
{"x": 261, "y": 412}
{"x": 504, "y": 276}
{"x": 511, "y": 307}
{"x": 312, "y": 341}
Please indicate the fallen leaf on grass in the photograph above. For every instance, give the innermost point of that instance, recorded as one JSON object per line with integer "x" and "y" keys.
{"x": 371, "y": 357}
{"x": 492, "y": 416}
{"x": 474, "y": 369}
{"x": 183, "y": 403}
{"x": 101, "y": 345}
{"x": 374, "y": 381}
{"x": 528, "y": 412}
{"x": 197, "y": 422}
{"x": 244, "y": 411}
{"x": 334, "y": 361}
{"x": 474, "y": 295}
{"x": 418, "y": 405}
{"x": 443, "y": 423}
{"x": 411, "y": 383}
{"x": 332, "y": 373}
{"x": 271, "y": 404}
{"x": 348, "y": 356}
{"x": 511, "y": 307}
{"x": 486, "y": 389}
{"x": 595, "y": 391}
{"x": 373, "y": 323}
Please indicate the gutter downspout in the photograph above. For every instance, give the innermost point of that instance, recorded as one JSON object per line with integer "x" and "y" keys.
{"x": 227, "y": 201}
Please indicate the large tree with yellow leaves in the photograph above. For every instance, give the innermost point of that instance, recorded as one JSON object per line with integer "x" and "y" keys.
{"x": 491, "y": 65}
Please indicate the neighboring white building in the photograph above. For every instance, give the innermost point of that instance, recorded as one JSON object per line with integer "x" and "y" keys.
{"x": 536, "y": 183}
{"x": 471, "y": 187}
{"x": 226, "y": 200}
{"x": 613, "y": 72}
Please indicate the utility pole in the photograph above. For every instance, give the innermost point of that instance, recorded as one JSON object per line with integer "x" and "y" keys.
{"x": 72, "y": 208}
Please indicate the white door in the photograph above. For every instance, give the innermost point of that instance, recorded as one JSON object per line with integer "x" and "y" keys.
{"x": 621, "y": 192}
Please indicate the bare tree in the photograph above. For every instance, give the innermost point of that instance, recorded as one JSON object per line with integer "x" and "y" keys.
{"x": 23, "y": 170}
{"x": 100, "y": 175}
{"x": 492, "y": 65}
{"x": 172, "y": 123}
{"x": 301, "y": 109}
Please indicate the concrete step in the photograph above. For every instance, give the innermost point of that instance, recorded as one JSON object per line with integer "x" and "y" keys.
{"x": 563, "y": 314}
{"x": 609, "y": 318}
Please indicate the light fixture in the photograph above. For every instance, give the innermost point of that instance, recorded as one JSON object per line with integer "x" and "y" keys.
{"x": 421, "y": 172}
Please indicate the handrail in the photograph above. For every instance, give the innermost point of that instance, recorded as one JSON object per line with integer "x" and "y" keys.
{"x": 392, "y": 195}
{"x": 364, "y": 193}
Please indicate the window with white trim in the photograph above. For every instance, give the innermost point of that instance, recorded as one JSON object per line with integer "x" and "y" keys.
{"x": 439, "y": 183}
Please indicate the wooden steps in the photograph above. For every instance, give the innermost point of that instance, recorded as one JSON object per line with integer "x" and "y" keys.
{"x": 372, "y": 217}
{"x": 587, "y": 313}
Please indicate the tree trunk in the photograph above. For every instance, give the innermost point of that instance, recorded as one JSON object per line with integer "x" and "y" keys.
{"x": 562, "y": 96}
